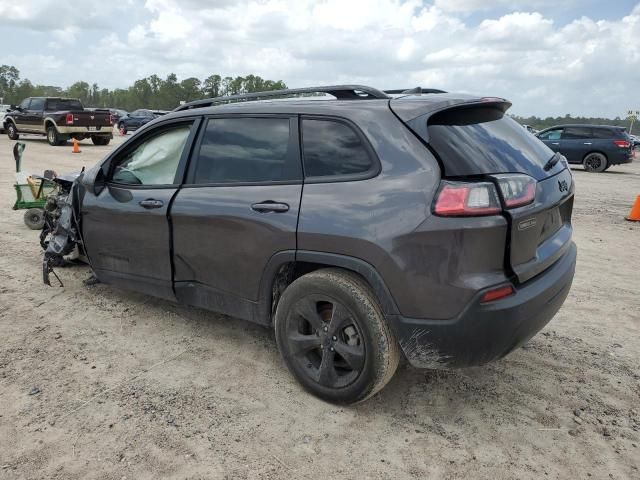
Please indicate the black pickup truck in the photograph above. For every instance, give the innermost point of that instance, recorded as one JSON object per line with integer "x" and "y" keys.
{"x": 59, "y": 119}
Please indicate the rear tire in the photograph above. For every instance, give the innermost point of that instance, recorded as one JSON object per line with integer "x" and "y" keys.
{"x": 12, "y": 131}
{"x": 595, "y": 162}
{"x": 334, "y": 338}
{"x": 34, "y": 218}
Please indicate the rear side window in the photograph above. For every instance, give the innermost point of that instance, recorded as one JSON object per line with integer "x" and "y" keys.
{"x": 602, "y": 133}
{"x": 481, "y": 140}
{"x": 333, "y": 149}
{"x": 576, "y": 133}
{"x": 247, "y": 150}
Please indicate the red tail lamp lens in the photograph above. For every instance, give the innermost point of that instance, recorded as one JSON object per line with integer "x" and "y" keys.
{"x": 517, "y": 189}
{"x": 622, "y": 143}
{"x": 69, "y": 118}
{"x": 458, "y": 199}
{"x": 497, "y": 294}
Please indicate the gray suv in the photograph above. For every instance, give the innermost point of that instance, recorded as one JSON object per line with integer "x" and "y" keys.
{"x": 362, "y": 229}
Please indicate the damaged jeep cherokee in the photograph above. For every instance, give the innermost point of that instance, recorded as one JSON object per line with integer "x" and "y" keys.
{"x": 362, "y": 228}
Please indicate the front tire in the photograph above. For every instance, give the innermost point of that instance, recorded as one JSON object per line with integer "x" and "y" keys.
{"x": 595, "y": 162}
{"x": 12, "y": 131}
{"x": 334, "y": 338}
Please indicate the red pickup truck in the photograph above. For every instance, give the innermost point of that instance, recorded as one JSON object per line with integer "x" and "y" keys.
{"x": 59, "y": 119}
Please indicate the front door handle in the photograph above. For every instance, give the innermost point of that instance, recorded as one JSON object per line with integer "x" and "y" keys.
{"x": 151, "y": 203}
{"x": 270, "y": 206}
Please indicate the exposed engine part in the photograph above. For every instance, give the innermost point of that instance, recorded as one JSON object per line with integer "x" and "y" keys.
{"x": 60, "y": 238}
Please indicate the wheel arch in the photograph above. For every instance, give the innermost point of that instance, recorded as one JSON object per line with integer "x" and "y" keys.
{"x": 285, "y": 267}
{"x": 48, "y": 121}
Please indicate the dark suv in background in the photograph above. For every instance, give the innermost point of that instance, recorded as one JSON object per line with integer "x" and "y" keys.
{"x": 597, "y": 147}
{"x": 136, "y": 119}
{"x": 361, "y": 228}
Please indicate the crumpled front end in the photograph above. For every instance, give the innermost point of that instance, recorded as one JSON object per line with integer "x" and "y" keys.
{"x": 60, "y": 237}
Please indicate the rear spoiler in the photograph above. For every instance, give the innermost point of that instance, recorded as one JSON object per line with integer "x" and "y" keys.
{"x": 415, "y": 111}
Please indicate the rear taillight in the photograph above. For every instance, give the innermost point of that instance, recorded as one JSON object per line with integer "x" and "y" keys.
{"x": 462, "y": 199}
{"x": 622, "y": 143}
{"x": 517, "y": 189}
{"x": 470, "y": 199}
{"x": 111, "y": 122}
{"x": 69, "y": 118}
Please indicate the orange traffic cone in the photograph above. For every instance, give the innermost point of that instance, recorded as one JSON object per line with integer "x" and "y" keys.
{"x": 634, "y": 215}
{"x": 76, "y": 148}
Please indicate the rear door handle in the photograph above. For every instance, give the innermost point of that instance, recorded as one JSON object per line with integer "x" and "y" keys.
{"x": 270, "y": 206}
{"x": 151, "y": 203}
{"x": 555, "y": 143}
{"x": 588, "y": 143}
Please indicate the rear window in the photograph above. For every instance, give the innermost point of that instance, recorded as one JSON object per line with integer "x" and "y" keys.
{"x": 481, "y": 140}
{"x": 60, "y": 104}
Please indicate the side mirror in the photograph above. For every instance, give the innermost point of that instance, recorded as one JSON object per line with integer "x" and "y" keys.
{"x": 93, "y": 180}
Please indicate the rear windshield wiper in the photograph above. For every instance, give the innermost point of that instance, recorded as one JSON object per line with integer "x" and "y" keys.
{"x": 552, "y": 162}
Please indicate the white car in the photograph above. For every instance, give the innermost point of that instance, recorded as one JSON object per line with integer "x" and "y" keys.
{"x": 3, "y": 109}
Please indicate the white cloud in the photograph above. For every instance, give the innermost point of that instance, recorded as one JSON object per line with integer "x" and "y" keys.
{"x": 588, "y": 66}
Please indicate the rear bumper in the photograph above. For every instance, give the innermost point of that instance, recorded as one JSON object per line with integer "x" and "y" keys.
{"x": 104, "y": 130}
{"x": 482, "y": 333}
{"x": 621, "y": 157}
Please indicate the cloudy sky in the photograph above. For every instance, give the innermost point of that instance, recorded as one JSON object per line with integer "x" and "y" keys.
{"x": 549, "y": 57}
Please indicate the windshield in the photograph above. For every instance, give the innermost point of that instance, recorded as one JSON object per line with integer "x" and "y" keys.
{"x": 482, "y": 140}
{"x": 59, "y": 104}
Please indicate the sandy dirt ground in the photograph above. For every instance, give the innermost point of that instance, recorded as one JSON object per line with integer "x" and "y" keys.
{"x": 100, "y": 383}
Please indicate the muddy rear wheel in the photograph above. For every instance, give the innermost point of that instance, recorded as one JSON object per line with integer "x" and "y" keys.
{"x": 334, "y": 338}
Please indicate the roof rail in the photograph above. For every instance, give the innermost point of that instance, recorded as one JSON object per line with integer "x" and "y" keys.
{"x": 341, "y": 92}
{"x": 413, "y": 91}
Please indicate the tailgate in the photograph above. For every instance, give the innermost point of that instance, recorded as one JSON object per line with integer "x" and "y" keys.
{"x": 481, "y": 143}
{"x": 92, "y": 119}
{"x": 541, "y": 232}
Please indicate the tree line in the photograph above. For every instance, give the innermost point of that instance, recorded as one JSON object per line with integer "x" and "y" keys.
{"x": 151, "y": 92}
{"x": 542, "y": 123}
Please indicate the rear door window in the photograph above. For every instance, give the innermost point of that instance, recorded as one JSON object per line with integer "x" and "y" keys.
{"x": 333, "y": 149}
{"x": 576, "y": 133}
{"x": 247, "y": 150}
{"x": 482, "y": 140}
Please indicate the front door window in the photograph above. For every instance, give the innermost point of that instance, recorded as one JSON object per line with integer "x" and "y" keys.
{"x": 155, "y": 161}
